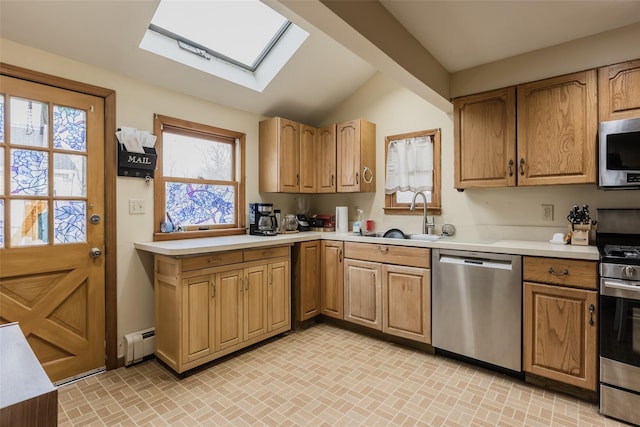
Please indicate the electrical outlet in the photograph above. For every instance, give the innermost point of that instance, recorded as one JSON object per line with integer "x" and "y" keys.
{"x": 136, "y": 206}
{"x": 547, "y": 212}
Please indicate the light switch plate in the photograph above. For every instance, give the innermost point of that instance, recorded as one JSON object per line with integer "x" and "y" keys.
{"x": 136, "y": 206}
{"x": 547, "y": 212}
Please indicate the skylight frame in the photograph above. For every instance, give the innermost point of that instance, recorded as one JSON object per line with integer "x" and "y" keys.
{"x": 214, "y": 53}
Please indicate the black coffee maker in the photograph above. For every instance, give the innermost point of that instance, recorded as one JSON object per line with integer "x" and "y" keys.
{"x": 262, "y": 220}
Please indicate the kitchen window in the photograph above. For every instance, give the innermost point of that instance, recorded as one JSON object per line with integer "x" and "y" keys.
{"x": 199, "y": 184}
{"x": 398, "y": 202}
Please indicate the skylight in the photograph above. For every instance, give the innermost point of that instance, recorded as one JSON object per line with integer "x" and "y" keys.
{"x": 214, "y": 35}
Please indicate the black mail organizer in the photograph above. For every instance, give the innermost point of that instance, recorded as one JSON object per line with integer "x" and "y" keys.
{"x": 137, "y": 165}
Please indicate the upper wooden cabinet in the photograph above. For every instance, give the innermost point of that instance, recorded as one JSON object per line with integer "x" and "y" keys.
{"x": 308, "y": 159}
{"x": 557, "y": 125}
{"x": 551, "y": 139}
{"x": 619, "y": 91}
{"x": 279, "y": 156}
{"x": 485, "y": 139}
{"x": 325, "y": 160}
{"x": 356, "y": 156}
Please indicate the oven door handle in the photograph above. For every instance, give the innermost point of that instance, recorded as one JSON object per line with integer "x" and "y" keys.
{"x": 619, "y": 288}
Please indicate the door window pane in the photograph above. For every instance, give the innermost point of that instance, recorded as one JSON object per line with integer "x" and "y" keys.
{"x": 29, "y": 123}
{"x": 200, "y": 204}
{"x": 198, "y": 158}
{"x": 1, "y": 171}
{"x": 1, "y": 223}
{"x": 29, "y": 169}
{"x": 69, "y": 175}
{"x": 69, "y": 128}
{"x": 69, "y": 221}
{"x": 1, "y": 117}
{"x": 29, "y": 222}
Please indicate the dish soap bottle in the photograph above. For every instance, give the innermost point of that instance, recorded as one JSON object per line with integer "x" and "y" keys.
{"x": 358, "y": 225}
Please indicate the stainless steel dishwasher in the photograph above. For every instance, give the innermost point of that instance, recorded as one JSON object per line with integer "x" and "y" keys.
{"x": 476, "y": 306}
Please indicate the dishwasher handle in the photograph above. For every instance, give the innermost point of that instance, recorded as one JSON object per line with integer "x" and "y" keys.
{"x": 477, "y": 262}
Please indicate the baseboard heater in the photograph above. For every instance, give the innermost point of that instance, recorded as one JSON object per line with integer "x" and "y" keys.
{"x": 139, "y": 345}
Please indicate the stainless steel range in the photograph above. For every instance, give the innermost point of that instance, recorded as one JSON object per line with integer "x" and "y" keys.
{"x": 618, "y": 239}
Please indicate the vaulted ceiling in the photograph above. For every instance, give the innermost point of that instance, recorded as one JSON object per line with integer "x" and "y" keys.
{"x": 421, "y": 44}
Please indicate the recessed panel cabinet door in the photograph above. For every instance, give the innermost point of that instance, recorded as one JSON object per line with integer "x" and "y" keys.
{"x": 560, "y": 333}
{"x": 197, "y": 326}
{"x": 348, "y": 156}
{"x": 406, "y": 302}
{"x": 255, "y": 301}
{"x": 229, "y": 301}
{"x": 326, "y": 160}
{"x": 485, "y": 139}
{"x": 363, "y": 293}
{"x": 619, "y": 91}
{"x": 278, "y": 296}
{"x": 332, "y": 279}
{"x": 308, "y": 160}
{"x": 557, "y": 125}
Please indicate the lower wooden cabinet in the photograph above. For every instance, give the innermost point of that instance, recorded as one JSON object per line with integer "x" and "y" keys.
{"x": 332, "y": 279}
{"x": 363, "y": 293}
{"x": 388, "y": 288}
{"x": 561, "y": 322}
{"x": 203, "y": 313}
{"x": 406, "y": 300}
{"x": 306, "y": 274}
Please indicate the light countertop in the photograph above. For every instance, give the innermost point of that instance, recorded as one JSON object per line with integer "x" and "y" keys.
{"x": 187, "y": 247}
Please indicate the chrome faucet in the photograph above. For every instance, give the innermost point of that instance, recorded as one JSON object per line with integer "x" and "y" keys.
{"x": 426, "y": 225}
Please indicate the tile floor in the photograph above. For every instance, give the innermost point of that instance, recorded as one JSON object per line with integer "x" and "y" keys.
{"x": 322, "y": 376}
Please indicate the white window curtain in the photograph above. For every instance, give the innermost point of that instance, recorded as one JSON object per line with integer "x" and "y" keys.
{"x": 410, "y": 165}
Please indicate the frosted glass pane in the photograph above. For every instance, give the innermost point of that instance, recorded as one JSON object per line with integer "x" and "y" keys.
{"x": 198, "y": 158}
{"x": 200, "y": 204}
{"x": 29, "y": 123}
{"x": 29, "y": 222}
{"x": 1, "y": 117}
{"x": 29, "y": 172}
{"x": 69, "y": 128}
{"x": 69, "y": 221}
{"x": 407, "y": 197}
{"x": 1, "y": 171}
{"x": 69, "y": 175}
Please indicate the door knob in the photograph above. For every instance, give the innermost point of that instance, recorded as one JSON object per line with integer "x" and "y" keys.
{"x": 95, "y": 253}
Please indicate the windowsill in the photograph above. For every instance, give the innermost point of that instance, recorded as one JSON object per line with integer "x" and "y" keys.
{"x": 401, "y": 210}
{"x": 161, "y": 237}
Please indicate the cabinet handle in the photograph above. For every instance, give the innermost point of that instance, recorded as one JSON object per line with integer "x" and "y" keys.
{"x": 340, "y": 255}
{"x": 522, "y": 167}
{"x": 383, "y": 249}
{"x": 592, "y": 308}
{"x": 564, "y": 272}
{"x": 356, "y": 178}
{"x": 511, "y": 167}
{"x": 271, "y": 278}
{"x": 297, "y": 179}
{"x": 242, "y": 284}
{"x": 246, "y": 283}
{"x": 213, "y": 290}
{"x": 331, "y": 182}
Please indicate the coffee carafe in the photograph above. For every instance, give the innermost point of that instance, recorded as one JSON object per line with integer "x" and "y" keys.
{"x": 262, "y": 220}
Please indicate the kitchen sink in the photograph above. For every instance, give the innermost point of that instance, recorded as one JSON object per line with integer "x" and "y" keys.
{"x": 425, "y": 237}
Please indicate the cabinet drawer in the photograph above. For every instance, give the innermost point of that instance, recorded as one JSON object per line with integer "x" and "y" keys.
{"x": 262, "y": 253}
{"x": 212, "y": 260}
{"x": 557, "y": 271}
{"x": 389, "y": 254}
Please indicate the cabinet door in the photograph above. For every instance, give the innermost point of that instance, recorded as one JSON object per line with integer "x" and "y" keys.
{"x": 326, "y": 160}
{"x": 197, "y": 320}
{"x": 348, "y": 156}
{"x": 363, "y": 293}
{"x": 560, "y": 332}
{"x": 619, "y": 91}
{"x": 557, "y": 125}
{"x": 485, "y": 139}
{"x": 279, "y": 296}
{"x": 332, "y": 279}
{"x": 406, "y": 302}
{"x": 308, "y": 160}
{"x": 255, "y": 301}
{"x": 307, "y": 279}
{"x": 228, "y": 312}
{"x": 289, "y": 156}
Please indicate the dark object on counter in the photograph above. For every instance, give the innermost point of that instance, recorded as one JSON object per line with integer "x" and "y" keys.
{"x": 262, "y": 221}
{"x": 303, "y": 222}
{"x": 394, "y": 233}
{"x": 580, "y": 216}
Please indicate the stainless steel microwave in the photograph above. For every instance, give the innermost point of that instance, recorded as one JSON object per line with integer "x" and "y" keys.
{"x": 619, "y": 160}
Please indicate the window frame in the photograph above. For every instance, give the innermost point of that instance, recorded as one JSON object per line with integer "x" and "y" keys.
{"x": 391, "y": 206}
{"x": 207, "y": 132}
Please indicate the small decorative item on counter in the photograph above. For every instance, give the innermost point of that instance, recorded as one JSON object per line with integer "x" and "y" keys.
{"x": 370, "y": 225}
{"x": 581, "y": 225}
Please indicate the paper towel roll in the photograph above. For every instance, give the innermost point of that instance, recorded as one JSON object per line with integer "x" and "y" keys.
{"x": 342, "y": 219}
